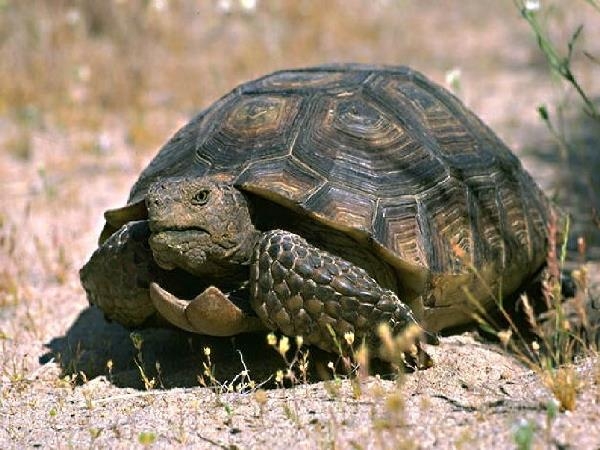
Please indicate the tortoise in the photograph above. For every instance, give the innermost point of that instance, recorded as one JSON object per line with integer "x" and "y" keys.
{"x": 322, "y": 201}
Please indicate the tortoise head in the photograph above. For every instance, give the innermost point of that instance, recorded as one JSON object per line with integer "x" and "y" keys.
{"x": 201, "y": 225}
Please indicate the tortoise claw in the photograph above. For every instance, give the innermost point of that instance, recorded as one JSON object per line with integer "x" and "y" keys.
{"x": 210, "y": 313}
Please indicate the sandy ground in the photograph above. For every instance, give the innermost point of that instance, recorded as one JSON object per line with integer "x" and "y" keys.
{"x": 69, "y": 379}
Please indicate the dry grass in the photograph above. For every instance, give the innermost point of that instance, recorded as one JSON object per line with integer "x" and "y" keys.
{"x": 80, "y": 59}
{"x": 89, "y": 90}
{"x": 551, "y": 343}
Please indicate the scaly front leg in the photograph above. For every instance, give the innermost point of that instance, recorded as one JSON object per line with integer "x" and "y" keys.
{"x": 305, "y": 291}
{"x": 117, "y": 276}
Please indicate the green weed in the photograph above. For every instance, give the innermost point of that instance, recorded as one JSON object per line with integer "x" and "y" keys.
{"x": 560, "y": 62}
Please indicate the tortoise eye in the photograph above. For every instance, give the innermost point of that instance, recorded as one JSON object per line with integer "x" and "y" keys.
{"x": 201, "y": 197}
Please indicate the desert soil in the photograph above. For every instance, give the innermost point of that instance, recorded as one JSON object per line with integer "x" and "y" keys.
{"x": 71, "y": 148}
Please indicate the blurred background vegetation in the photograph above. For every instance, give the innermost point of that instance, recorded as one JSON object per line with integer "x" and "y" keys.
{"x": 67, "y": 63}
{"x": 93, "y": 87}
{"x": 119, "y": 66}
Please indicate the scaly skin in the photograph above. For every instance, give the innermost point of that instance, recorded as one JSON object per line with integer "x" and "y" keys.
{"x": 117, "y": 276}
{"x": 300, "y": 289}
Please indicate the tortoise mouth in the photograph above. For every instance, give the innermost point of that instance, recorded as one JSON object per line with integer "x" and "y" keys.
{"x": 176, "y": 239}
{"x": 183, "y": 231}
{"x": 180, "y": 248}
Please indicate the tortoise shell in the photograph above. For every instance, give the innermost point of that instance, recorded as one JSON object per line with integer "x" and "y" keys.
{"x": 389, "y": 158}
